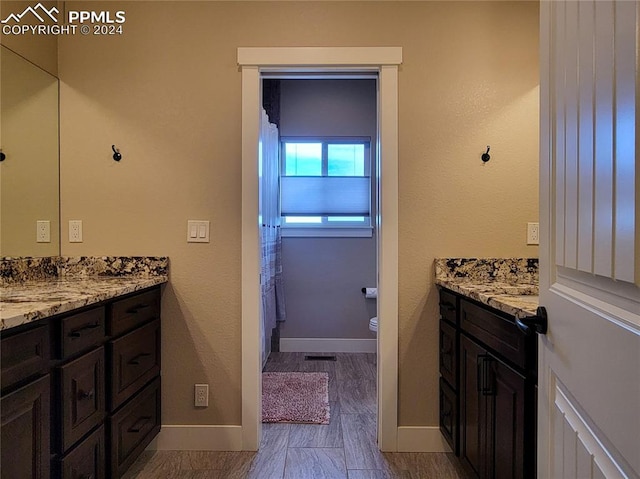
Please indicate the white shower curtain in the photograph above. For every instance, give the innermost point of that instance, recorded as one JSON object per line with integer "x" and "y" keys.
{"x": 270, "y": 238}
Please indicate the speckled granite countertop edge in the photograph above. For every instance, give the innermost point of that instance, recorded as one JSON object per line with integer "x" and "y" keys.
{"x": 509, "y": 285}
{"x": 28, "y": 302}
{"x": 513, "y": 304}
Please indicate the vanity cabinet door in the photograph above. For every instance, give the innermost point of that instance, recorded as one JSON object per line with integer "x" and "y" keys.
{"x": 474, "y": 410}
{"x": 507, "y": 427}
{"x": 81, "y": 397}
{"x": 25, "y": 432}
{"x": 492, "y": 410}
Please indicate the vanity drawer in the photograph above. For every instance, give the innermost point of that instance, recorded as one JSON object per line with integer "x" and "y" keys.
{"x": 449, "y": 415}
{"x": 133, "y": 427}
{"x": 24, "y": 355}
{"x": 134, "y": 360}
{"x": 87, "y": 460}
{"x": 81, "y": 331}
{"x": 130, "y": 312}
{"x": 448, "y": 357}
{"x": 498, "y": 333}
{"x": 448, "y": 307}
{"x": 81, "y": 397}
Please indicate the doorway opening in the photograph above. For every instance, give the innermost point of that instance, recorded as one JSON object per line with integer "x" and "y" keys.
{"x": 384, "y": 61}
{"x": 318, "y": 242}
{"x": 324, "y": 197}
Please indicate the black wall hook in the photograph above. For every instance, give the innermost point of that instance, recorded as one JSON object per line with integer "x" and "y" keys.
{"x": 485, "y": 156}
{"x": 2, "y": 156}
{"x": 116, "y": 153}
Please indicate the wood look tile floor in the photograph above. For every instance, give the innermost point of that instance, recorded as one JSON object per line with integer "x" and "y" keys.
{"x": 344, "y": 449}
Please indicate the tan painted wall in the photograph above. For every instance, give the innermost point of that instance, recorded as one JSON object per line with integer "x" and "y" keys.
{"x": 39, "y": 49}
{"x": 167, "y": 93}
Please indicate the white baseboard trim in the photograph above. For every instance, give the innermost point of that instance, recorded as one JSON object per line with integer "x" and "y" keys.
{"x": 421, "y": 439}
{"x": 327, "y": 345}
{"x": 197, "y": 438}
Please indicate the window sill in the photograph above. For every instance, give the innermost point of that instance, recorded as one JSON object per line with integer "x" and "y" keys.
{"x": 323, "y": 232}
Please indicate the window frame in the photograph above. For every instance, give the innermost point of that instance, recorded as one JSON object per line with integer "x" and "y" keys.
{"x": 326, "y": 228}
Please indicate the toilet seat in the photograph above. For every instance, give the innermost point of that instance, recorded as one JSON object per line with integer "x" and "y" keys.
{"x": 373, "y": 324}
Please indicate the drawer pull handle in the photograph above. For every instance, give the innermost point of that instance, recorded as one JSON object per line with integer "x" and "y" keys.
{"x": 136, "y": 359}
{"x": 139, "y": 424}
{"x": 76, "y": 333}
{"x": 485, "y": 380}
{"x": 86, "y": 395}
{"x": 137, "y": 308}
{"x": 448, "y": 306}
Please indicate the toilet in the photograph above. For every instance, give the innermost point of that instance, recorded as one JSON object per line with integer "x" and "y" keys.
{"x": 373, "y": 324}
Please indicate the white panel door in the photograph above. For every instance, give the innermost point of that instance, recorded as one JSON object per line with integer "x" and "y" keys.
{"x": 589, "y": 361}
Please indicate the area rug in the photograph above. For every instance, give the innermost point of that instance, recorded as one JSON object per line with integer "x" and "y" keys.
{"x": 295, "y": 397}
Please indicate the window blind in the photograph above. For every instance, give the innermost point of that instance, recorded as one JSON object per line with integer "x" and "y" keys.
{"x": 324, "y": 195}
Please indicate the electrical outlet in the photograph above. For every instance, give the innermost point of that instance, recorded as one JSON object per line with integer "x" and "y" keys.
{"x": 75, "y": 231}
{"x": 533, "y": 233}
{"x": 43, "y": 231}
{"x": 201, "y": 398}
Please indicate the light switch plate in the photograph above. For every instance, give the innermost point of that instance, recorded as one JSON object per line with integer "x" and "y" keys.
{"x": 197, "y": 231}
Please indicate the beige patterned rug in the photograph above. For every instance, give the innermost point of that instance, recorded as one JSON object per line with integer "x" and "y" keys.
{"x": 295, "y": 397}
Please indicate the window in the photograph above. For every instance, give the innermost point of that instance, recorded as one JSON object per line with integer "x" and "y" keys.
{"x": 326, "y": 184}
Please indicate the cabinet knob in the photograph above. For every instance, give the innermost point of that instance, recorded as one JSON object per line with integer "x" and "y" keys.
{"x": 530, "y": 324}
{"x": 86, "y": 394}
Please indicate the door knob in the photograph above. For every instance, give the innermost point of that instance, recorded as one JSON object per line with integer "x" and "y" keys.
{"x": 530, "y": 324}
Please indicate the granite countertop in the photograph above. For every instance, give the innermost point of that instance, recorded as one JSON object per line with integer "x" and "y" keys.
{"x": 36, "y": 288}
{"x": 31, "y": 301}
{"x": 506, "y": 284}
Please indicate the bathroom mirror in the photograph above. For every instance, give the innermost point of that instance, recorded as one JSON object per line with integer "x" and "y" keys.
{"x": 29, "y": 173}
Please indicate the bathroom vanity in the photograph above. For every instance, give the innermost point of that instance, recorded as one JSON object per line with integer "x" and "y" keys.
{"x": 488, "y": 373}
{"x": 80, "y": 375}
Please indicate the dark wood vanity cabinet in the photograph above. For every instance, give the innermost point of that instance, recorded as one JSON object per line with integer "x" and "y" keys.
{"x": 449, "y": 338}
{"x": 81, "y": 391}
{"x": 488, "y": 414}
{"x": 25, "y": 431}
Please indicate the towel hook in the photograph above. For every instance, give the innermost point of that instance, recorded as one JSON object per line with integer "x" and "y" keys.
{"x": 116, "y": 153}
{"x": 485, "y": 156}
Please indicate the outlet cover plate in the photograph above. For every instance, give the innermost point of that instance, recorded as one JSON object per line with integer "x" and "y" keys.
{"x": 533, "y": 233}
{"x": 75, "y": 231}
{"x": 201, "y": 396}
{"x": 43, "y": 231}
